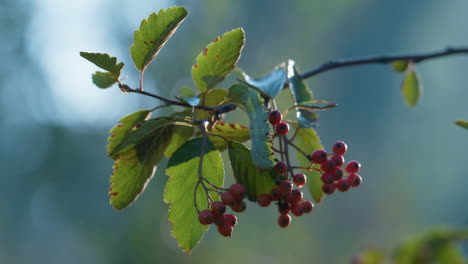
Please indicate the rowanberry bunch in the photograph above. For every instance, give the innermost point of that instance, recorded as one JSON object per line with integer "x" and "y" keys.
{"x": 333, "y": 176}
{"x": 232, "y": 197}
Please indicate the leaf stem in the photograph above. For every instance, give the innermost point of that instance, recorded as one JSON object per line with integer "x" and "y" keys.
{"x": 382, "y": 59}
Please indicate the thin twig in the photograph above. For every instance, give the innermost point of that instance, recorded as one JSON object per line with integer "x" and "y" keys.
{"x": 383, "y": 59}
{"x": 286, "y": 154}
{"x": 297, "y": 148}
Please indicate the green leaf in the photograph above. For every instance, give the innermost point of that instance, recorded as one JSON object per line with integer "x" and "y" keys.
{"x": 301, "y": 93}
{"x": 105, "y": 62}
{"x": 134, "y": 168}
{"x": 179, "y": 137}
{"x": 316, "y": 105}
{"x": 143, "y": 132}
{"x": 126, "y": 125}
{"x": 153, "y": 34}
{"x": 218, "y": 59}
{"x": 370, "y": 256}
{"x": 308, "y": 140}
{"x": 461, "y": 123}
{"x": 411, "y": 88}
{"x": 270, "y": 85}
{"x": 256, "y": 182}
{"x": 179, "y": 193}
{"x": 400, "y": 65}
{"x": 252, "y": 104}
{"x": 230, "y": 131}
{"x": 213, "y": 97}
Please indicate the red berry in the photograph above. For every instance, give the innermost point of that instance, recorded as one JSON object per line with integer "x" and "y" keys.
{"x": 283, "y": 208}
{"x": 218, "y": 208}
{"x": 275, "y": 194}
{"x": 337, "y": 174}
{"x": 285, "y": 187}
{"x": 275, "y": 117}
{"x": 327, "y": 178}
{"x": 295, "y": 196}
{"x": 230, "y": 219}
{"x": 354, "y": 180}
{"x": 353, "y": 166}
{"x": 307, "y": 206}
{"x": 264, "y": 200}
{"x": 338, "y": 160}
{"x": 227, "y": 198}
{"x": 282, "y": 128}
{"x": 225, "y": 229}
{"x": 342, "y": 185}
{"x": 220, "y": 220}
{"x": 239, "y": 206}
{"x": 340, "y": 148}
{"x": 299, "y": 179}
{"x": 319, "y": 156}
{"x": 280, "y": 167}
{"x": 284, "y": 220}
{"x": 238, "y": 191}
{"x": 206, "y": 217}
{"x": 328, "y": 166}
{"x": 328, "y": 188}
{"x": 297, "y": 210}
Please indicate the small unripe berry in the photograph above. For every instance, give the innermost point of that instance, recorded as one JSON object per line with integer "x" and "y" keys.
{"x": 353, "y": 166}
{"x": 264, "y": 200}
{"x": 275, "y": 194}
{"x": 239, "y": 206}
{"x": 299, "y": 179}
{"x": 206, "y": 217}
{"x": 284, "y": 220}
{"x": 280, "y": 167}
{"x": 327, "y": 178}
{"x": 225, "y": 229}
{"x": 282, "y": 128}
{"x": 319, "y": 156}
{"x": 283, "y": 208}
{"x": 230, "y": 219}
{"x": 340, "y": 148}
{"x": 275, "y": 117}
{"x": 354, "y": 180}
{"x": 218, "y": 208}
{"x": 307, "y": 206}
{"x": 342, "y": 185}
{"x": 337, "y": 174}
{"x": 297, "y": 210}
{"x": 238, "y": 191}
{"x": 295, "y": 196}
{"x": 227, "y": 198}
{"x": 338, "y": 160}
{"x": 285, "y": 186}
{"x": 328, "y": 188}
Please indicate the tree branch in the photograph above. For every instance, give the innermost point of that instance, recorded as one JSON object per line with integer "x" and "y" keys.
{"x": 383, "y": 59}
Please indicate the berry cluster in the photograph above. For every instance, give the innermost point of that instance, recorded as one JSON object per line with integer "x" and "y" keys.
{"x": 333, "y": 176}
{"x": 225, "y": 223}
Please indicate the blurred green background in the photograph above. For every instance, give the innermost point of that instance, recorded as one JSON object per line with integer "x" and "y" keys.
{"x": 54, "y": 123}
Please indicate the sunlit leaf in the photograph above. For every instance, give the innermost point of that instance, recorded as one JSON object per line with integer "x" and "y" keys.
{"x": 153, "y": 34}
{"x": 179, "y": 193}
{"x": 229, "y": 131}
{"x": 400, "y": 65}
{"x": 462, "y": 123}
{"x": 126, "y": 125}
{"x": 308, "y": 140}
{"x": 212, "y": 98}
{"x": 301, "y": 93}
{"x": 135, "y": 166}
{"x": 105, "y": 62}
{"x": 411, "y": 88}
{"x": 315, "y": 105}
{"x": 269, "y": 85}
{"x": 252, "y": 104}
{"x": 218, "y": 59}
{"x": 256, "y": 182}
{"x": 180, "y": 135}
{"x": 370, "y": 256}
